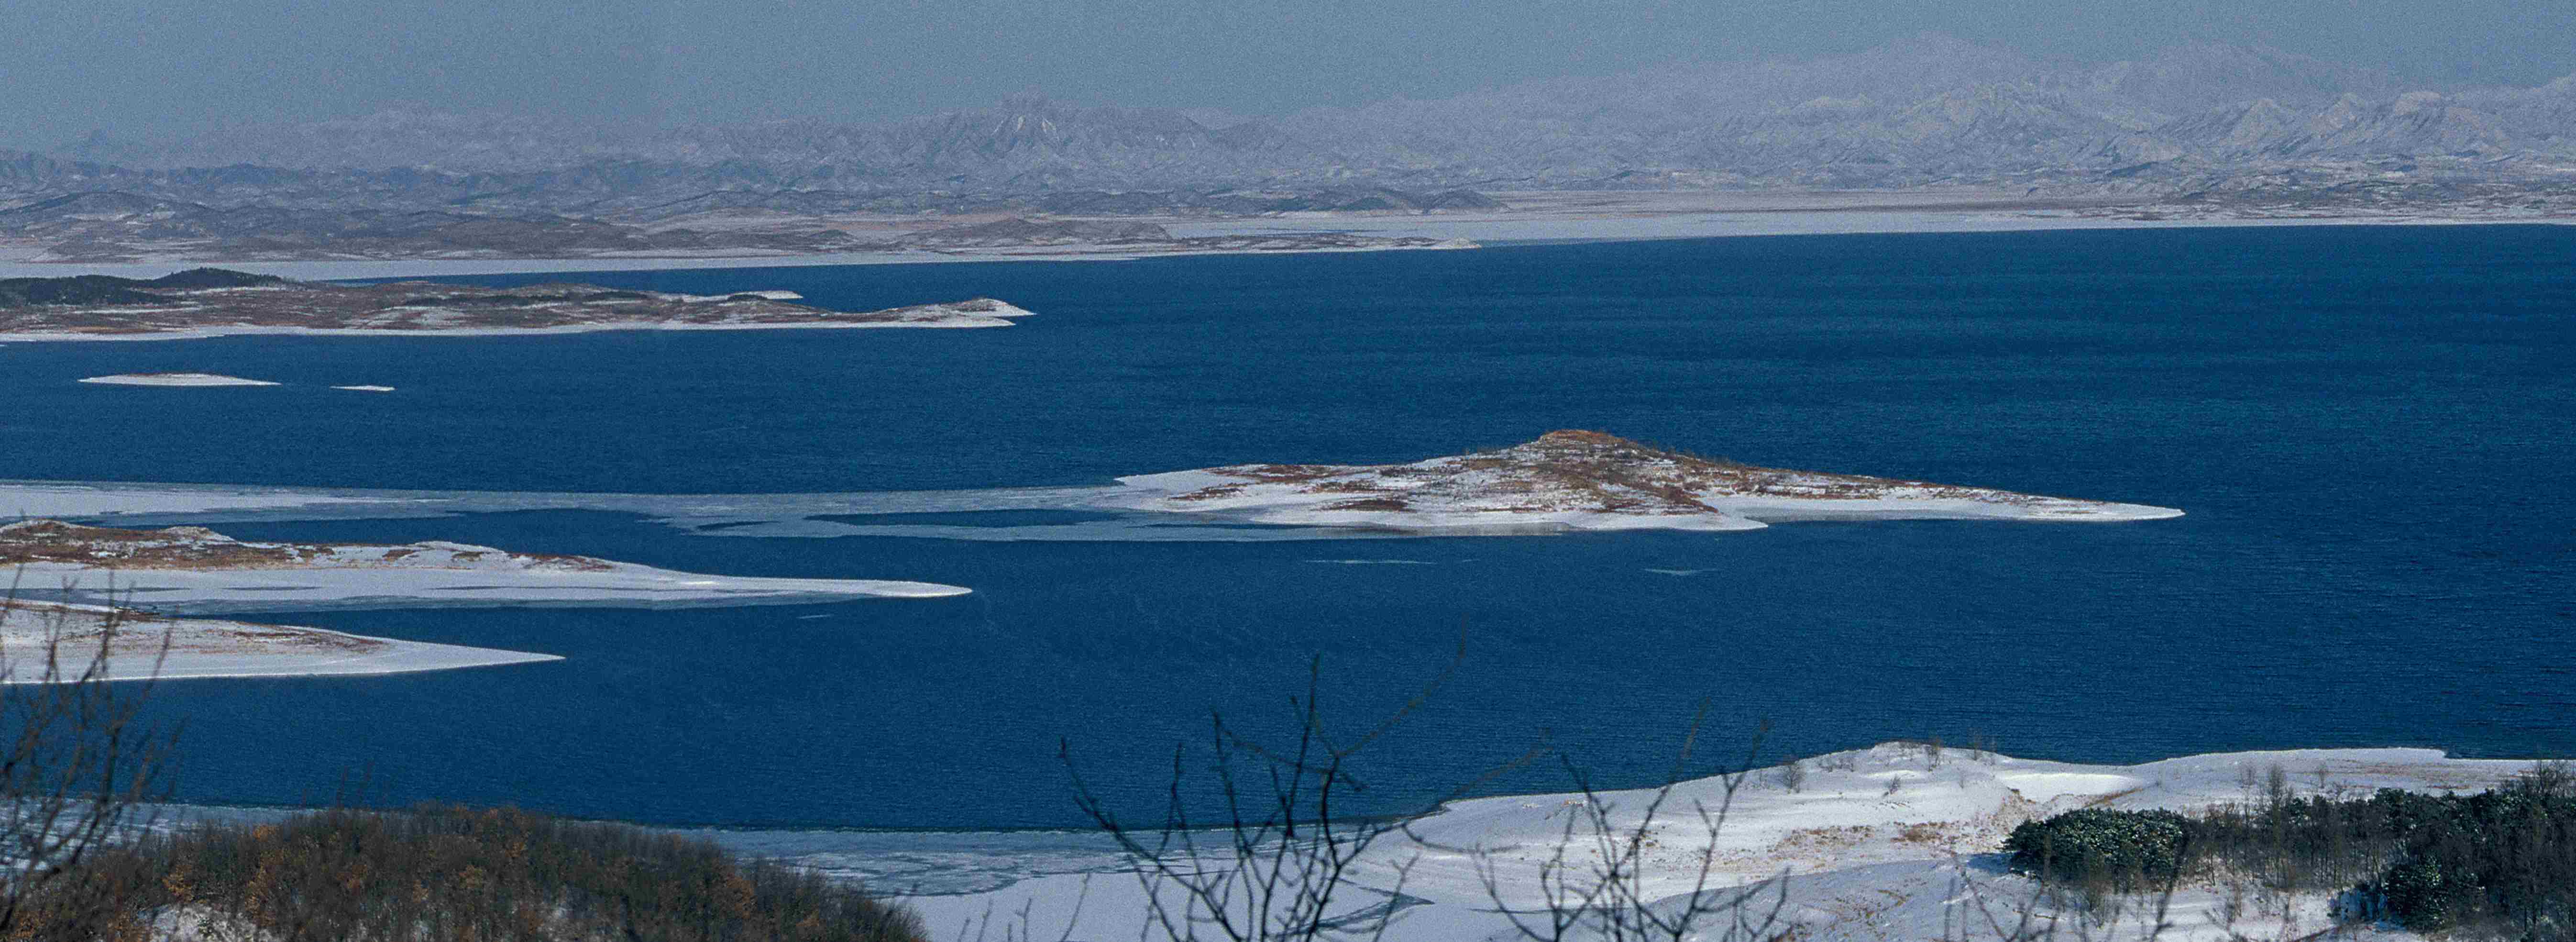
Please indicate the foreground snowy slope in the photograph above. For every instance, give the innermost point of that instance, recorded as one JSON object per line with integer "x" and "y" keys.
{"x": 1896, "y": 842}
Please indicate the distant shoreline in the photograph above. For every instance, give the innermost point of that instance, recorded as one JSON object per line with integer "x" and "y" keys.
{"x": 214, "y": 302}
{"x": 249, "y": 330}
{"x": 1639, "y": 220}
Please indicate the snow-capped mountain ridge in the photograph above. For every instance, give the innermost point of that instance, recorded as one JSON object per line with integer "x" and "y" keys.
{"x": 1926, "y": 107}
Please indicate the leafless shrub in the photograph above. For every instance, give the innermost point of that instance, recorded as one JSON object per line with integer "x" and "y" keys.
{"x": 78, "y": 772}
{"x": 1598, "y": 883}
{"x": 1275, "y": 862}
{"x": 1791, "y": 776}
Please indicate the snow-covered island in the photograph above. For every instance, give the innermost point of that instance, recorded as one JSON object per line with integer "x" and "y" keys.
{"x": 175, "y": 379}
{"x": 1578, "y": 480}
{"x": 141, "y": 646}
{"x": 200, "y": 570}
{"x": 213, "y": 302}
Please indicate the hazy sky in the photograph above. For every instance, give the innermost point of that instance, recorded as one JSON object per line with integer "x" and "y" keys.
{"x": 144, "y": 67}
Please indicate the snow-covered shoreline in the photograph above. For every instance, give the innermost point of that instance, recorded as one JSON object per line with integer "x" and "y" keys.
{"x": 1486, "y": 228}
{"x": 380, "y": 269}
{"x": 1001, "y": 316}
{"x": 1893, "y": 842}
{"x": 214, "y": 302}
{"x": 208, "y": 333}
{"x": 199, "y": 648}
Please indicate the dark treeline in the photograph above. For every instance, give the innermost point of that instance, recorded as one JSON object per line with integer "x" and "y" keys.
{"x": 448, "y": 874}
{"x": 2500, "y": 863}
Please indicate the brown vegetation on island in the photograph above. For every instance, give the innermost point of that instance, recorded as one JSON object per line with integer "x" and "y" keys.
{"x": 53, "y": 541}
{"x": 1577, "y": 469}
{"x": 128, "y": 633}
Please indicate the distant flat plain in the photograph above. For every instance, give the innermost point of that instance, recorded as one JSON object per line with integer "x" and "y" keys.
{"x": 1531, "y": 216}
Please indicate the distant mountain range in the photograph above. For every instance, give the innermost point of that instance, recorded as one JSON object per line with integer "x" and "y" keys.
{"x": 2195, "y": 122}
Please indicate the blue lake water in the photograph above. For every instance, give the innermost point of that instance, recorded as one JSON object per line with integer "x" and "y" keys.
{"x": 2373, "y": 431}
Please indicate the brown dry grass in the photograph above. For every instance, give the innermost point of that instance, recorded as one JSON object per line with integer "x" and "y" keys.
{"x": 1822, "y": 839}
{"x": 1285, "y": 473}
{"x": 1372, "y": 503}
{"x": 52, "y": 541}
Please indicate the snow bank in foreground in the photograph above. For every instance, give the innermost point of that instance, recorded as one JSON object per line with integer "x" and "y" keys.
{"x": 202, "y": 648}
{"x": 1896, "y": 842}
{"x": 1862, "y": 864}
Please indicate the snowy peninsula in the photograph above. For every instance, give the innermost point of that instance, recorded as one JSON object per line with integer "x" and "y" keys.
{"x": 213, "y": 302}
{"x": 199, "y": 570}
{"x": 141, "y": 646}
{"x": 1578, "y": 480}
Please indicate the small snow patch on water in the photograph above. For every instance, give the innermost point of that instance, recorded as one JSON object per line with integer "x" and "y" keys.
{"x": 175, "y": 379}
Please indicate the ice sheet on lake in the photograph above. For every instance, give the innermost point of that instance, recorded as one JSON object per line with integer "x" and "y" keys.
{"x": 756, "y": 515}
{"x": 106, "y": 501}
{"x": 617, "y": 585}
